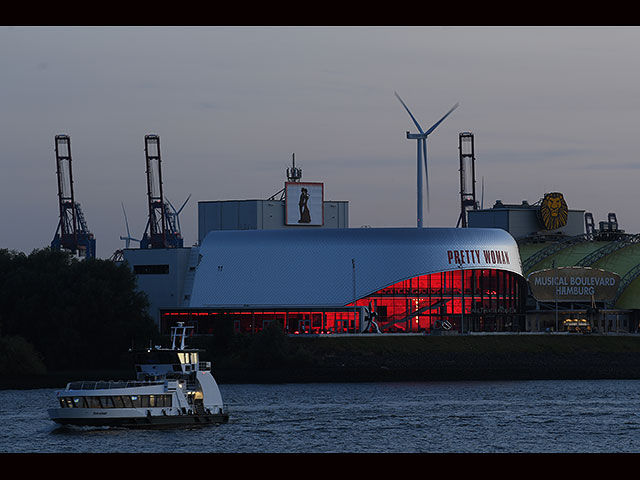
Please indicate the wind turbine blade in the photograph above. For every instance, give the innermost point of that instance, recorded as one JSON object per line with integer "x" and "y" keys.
{"x": 441, "y": 120}
{"x": 126, "y": 222}
{"x": 426, "y": 171}
{"x": 170, "y": 204}
{"x": 185, "y": 202}
{"x": 409, "y": 112}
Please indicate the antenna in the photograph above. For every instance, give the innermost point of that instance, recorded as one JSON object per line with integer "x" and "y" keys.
{"x": 294, "y": 174}
{"x": 422, "y": 152}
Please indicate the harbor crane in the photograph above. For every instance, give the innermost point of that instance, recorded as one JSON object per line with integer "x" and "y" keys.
{"x": 161, "y": 231}
{"x": 467, "y": 177}
{"x": 72, "y": 233}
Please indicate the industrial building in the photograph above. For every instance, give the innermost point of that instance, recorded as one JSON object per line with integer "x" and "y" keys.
{"x": 260, "y": 215}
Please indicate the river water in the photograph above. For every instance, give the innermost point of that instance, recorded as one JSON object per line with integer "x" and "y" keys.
{"x": 428, "y": 417}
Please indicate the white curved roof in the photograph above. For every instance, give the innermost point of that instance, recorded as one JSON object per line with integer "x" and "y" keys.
{"x": 314, "y": 267}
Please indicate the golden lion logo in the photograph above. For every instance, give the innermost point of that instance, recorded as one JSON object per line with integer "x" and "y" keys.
{"x": 553, "y": 211}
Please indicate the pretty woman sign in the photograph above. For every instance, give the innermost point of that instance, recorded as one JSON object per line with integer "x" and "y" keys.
{"x": 304, "y": 203}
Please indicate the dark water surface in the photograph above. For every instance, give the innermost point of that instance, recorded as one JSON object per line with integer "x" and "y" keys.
{"x": 484, "y": 417}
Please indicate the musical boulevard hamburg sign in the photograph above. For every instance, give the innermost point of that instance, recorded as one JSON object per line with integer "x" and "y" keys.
{"x": 570, "y": 284}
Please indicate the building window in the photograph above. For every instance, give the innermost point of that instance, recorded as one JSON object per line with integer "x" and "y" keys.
{"x": 151, "y": 269}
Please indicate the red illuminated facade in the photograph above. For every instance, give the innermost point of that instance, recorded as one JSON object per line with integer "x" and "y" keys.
{"x": 474, "y": 300}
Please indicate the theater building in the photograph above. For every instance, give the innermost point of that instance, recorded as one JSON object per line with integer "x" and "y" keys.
{"x": 356, "y": 280}
{"x": 295, "y": 260}
{"x": 578, "y": 270}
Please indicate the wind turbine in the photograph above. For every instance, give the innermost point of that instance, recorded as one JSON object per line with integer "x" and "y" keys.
{"x": 128, "y": 238}
{"x": 176, "y": 213}
{"x": 422, "y": 152}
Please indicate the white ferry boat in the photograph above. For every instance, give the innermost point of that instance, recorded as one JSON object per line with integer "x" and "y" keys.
{"x": 173, "y": 388}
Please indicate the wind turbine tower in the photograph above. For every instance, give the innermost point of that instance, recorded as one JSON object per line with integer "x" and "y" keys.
{"x": 422, "y": 155}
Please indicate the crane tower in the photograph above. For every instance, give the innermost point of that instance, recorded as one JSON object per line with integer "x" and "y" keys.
{"x": 72, "y": 232}
{"x": 161, "y": 230}
{"x": 467, "y": 176}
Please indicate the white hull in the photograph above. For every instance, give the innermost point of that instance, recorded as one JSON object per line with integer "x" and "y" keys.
{"x": 132, "y": 417}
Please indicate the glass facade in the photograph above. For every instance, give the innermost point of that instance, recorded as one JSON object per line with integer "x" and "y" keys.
{"x": 480, "y": 300}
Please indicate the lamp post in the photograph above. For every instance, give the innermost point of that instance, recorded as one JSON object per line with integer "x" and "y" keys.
{"x": 353, "y": 266}
{"x": 462, "y": 297}
{"x": 556, "y": 290}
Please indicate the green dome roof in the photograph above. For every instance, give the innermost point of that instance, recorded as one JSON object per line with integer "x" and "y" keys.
{"x": 621, "y": 256}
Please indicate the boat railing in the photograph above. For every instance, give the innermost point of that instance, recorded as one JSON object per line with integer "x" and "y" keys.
{"x": 103, "y": 385}
{"x": 204, "y": 366}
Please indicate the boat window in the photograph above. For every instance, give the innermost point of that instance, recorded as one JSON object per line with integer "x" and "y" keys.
{"x": 188, "y": 357}
{"x": 117, "y": 401}
{"x": 155, "y": 358}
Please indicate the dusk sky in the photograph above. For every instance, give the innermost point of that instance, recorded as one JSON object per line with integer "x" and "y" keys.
{"x": 551, "y": 109}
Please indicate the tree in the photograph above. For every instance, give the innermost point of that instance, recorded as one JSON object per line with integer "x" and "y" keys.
{"x": 76, "y": 313}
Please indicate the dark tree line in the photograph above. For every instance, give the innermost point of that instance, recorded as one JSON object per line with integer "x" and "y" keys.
{"x": 77, "y": 314}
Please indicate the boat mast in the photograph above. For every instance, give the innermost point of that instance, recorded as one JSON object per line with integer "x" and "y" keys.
{"x": 179, "y": 334}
